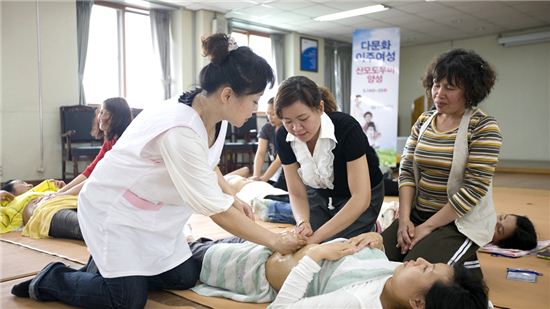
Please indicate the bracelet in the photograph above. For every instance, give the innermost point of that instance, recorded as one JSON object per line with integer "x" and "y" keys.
{"x": 302, "y": 222}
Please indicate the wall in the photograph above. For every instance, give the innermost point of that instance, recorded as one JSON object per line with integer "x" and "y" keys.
{"x": 21, "y": 132}
{"x": 520, "y": 100}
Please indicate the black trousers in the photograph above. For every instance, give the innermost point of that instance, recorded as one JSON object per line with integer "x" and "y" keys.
{"x": 65, "y": 225}
{"x": 444, "y": 245}
{"x": 322, "y": 209}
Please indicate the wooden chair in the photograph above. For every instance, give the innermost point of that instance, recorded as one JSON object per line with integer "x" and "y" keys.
{"x": 77, "y": 143}
{"x": 240, "y": 146}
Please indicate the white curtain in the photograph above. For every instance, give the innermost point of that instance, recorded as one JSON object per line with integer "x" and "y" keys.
{"x": 83, "y": 14}
{"x": 278, "y": 50}
{"x": 338, "y": 72}
{"x": 160, "y": 32}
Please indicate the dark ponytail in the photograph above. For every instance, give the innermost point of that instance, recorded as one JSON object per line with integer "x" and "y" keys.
{"x": 328, "y": 98}
{"x": 239, "y": 68}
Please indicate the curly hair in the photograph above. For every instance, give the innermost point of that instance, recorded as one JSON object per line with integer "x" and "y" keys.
{"x": 465, "y": 69}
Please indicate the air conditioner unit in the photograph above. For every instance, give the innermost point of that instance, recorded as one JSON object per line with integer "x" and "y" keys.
{"x": 523, "y": 38}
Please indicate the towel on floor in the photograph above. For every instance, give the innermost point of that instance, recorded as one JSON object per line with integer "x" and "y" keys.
{"x": 40, "y": 221}
{"x": 236, "y": 271}
{"x": 513, "y": 253}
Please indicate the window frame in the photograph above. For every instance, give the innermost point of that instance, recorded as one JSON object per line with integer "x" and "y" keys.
{"x": 121, "y": 10}
{"x": 248, "y": 33}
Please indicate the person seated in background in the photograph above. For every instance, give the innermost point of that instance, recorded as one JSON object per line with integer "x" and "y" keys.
{"x": 341, "y": 273}
{"x": 266, "y": 145}
{"x": 515, "y": 232}
{"x": 113, "y": 117}
{"x": 53, "y": 212}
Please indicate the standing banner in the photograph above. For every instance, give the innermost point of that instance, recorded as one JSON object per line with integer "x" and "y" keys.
{"x": 375, "y": 88}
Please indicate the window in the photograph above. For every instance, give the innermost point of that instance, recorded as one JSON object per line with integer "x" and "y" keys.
{"x": 120, "y": 59}
{"x": 261, "y": 45}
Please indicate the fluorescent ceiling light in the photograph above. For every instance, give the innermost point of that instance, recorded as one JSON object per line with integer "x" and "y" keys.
{"x": 525, "y": 38}
{"x": 351, "y": 13}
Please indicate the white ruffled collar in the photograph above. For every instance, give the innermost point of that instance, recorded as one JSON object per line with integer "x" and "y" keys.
{"x": 317, "y": 170}
{"x": 327, "y": 130}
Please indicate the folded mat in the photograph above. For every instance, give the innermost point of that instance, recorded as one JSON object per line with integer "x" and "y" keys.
{"x": 514, "y": 253}
{"x": 217, "y": 302}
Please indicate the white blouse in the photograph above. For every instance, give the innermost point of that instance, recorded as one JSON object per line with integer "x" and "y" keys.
{"x": 316, "y": 170}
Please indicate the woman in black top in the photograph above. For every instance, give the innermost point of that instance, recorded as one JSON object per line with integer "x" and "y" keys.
{"x": 332, "y": 173}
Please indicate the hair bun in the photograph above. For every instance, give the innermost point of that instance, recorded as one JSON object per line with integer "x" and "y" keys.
{"x": 216, "y": 47}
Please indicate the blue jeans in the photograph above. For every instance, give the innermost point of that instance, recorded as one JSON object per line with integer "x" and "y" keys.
{"x": 279, "y": 212}
{"x": 91, "y": 290}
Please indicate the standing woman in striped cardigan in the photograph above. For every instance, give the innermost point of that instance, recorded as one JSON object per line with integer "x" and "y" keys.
{"x": 445, "y": 193}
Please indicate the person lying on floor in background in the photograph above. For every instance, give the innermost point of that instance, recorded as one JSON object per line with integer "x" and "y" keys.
{"x": 514, "y": 232}
{"x": 257, "y": 193}
{"x": 52, "y": 213}
{"x": 22, "y": 194}
{"x": 511, "y": 231}
{"x": 341, "y": 273}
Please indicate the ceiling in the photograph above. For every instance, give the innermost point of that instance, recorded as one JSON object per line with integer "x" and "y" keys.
{"x": 421, "y": 22}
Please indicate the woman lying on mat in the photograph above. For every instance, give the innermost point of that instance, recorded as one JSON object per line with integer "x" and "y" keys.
{"x": 21, "y": 195}
{"x": 342, "y": 273}
{"x": 133, "y": 208}
{"x": 514, "y": 232}
{"x": 49, "y": 210}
